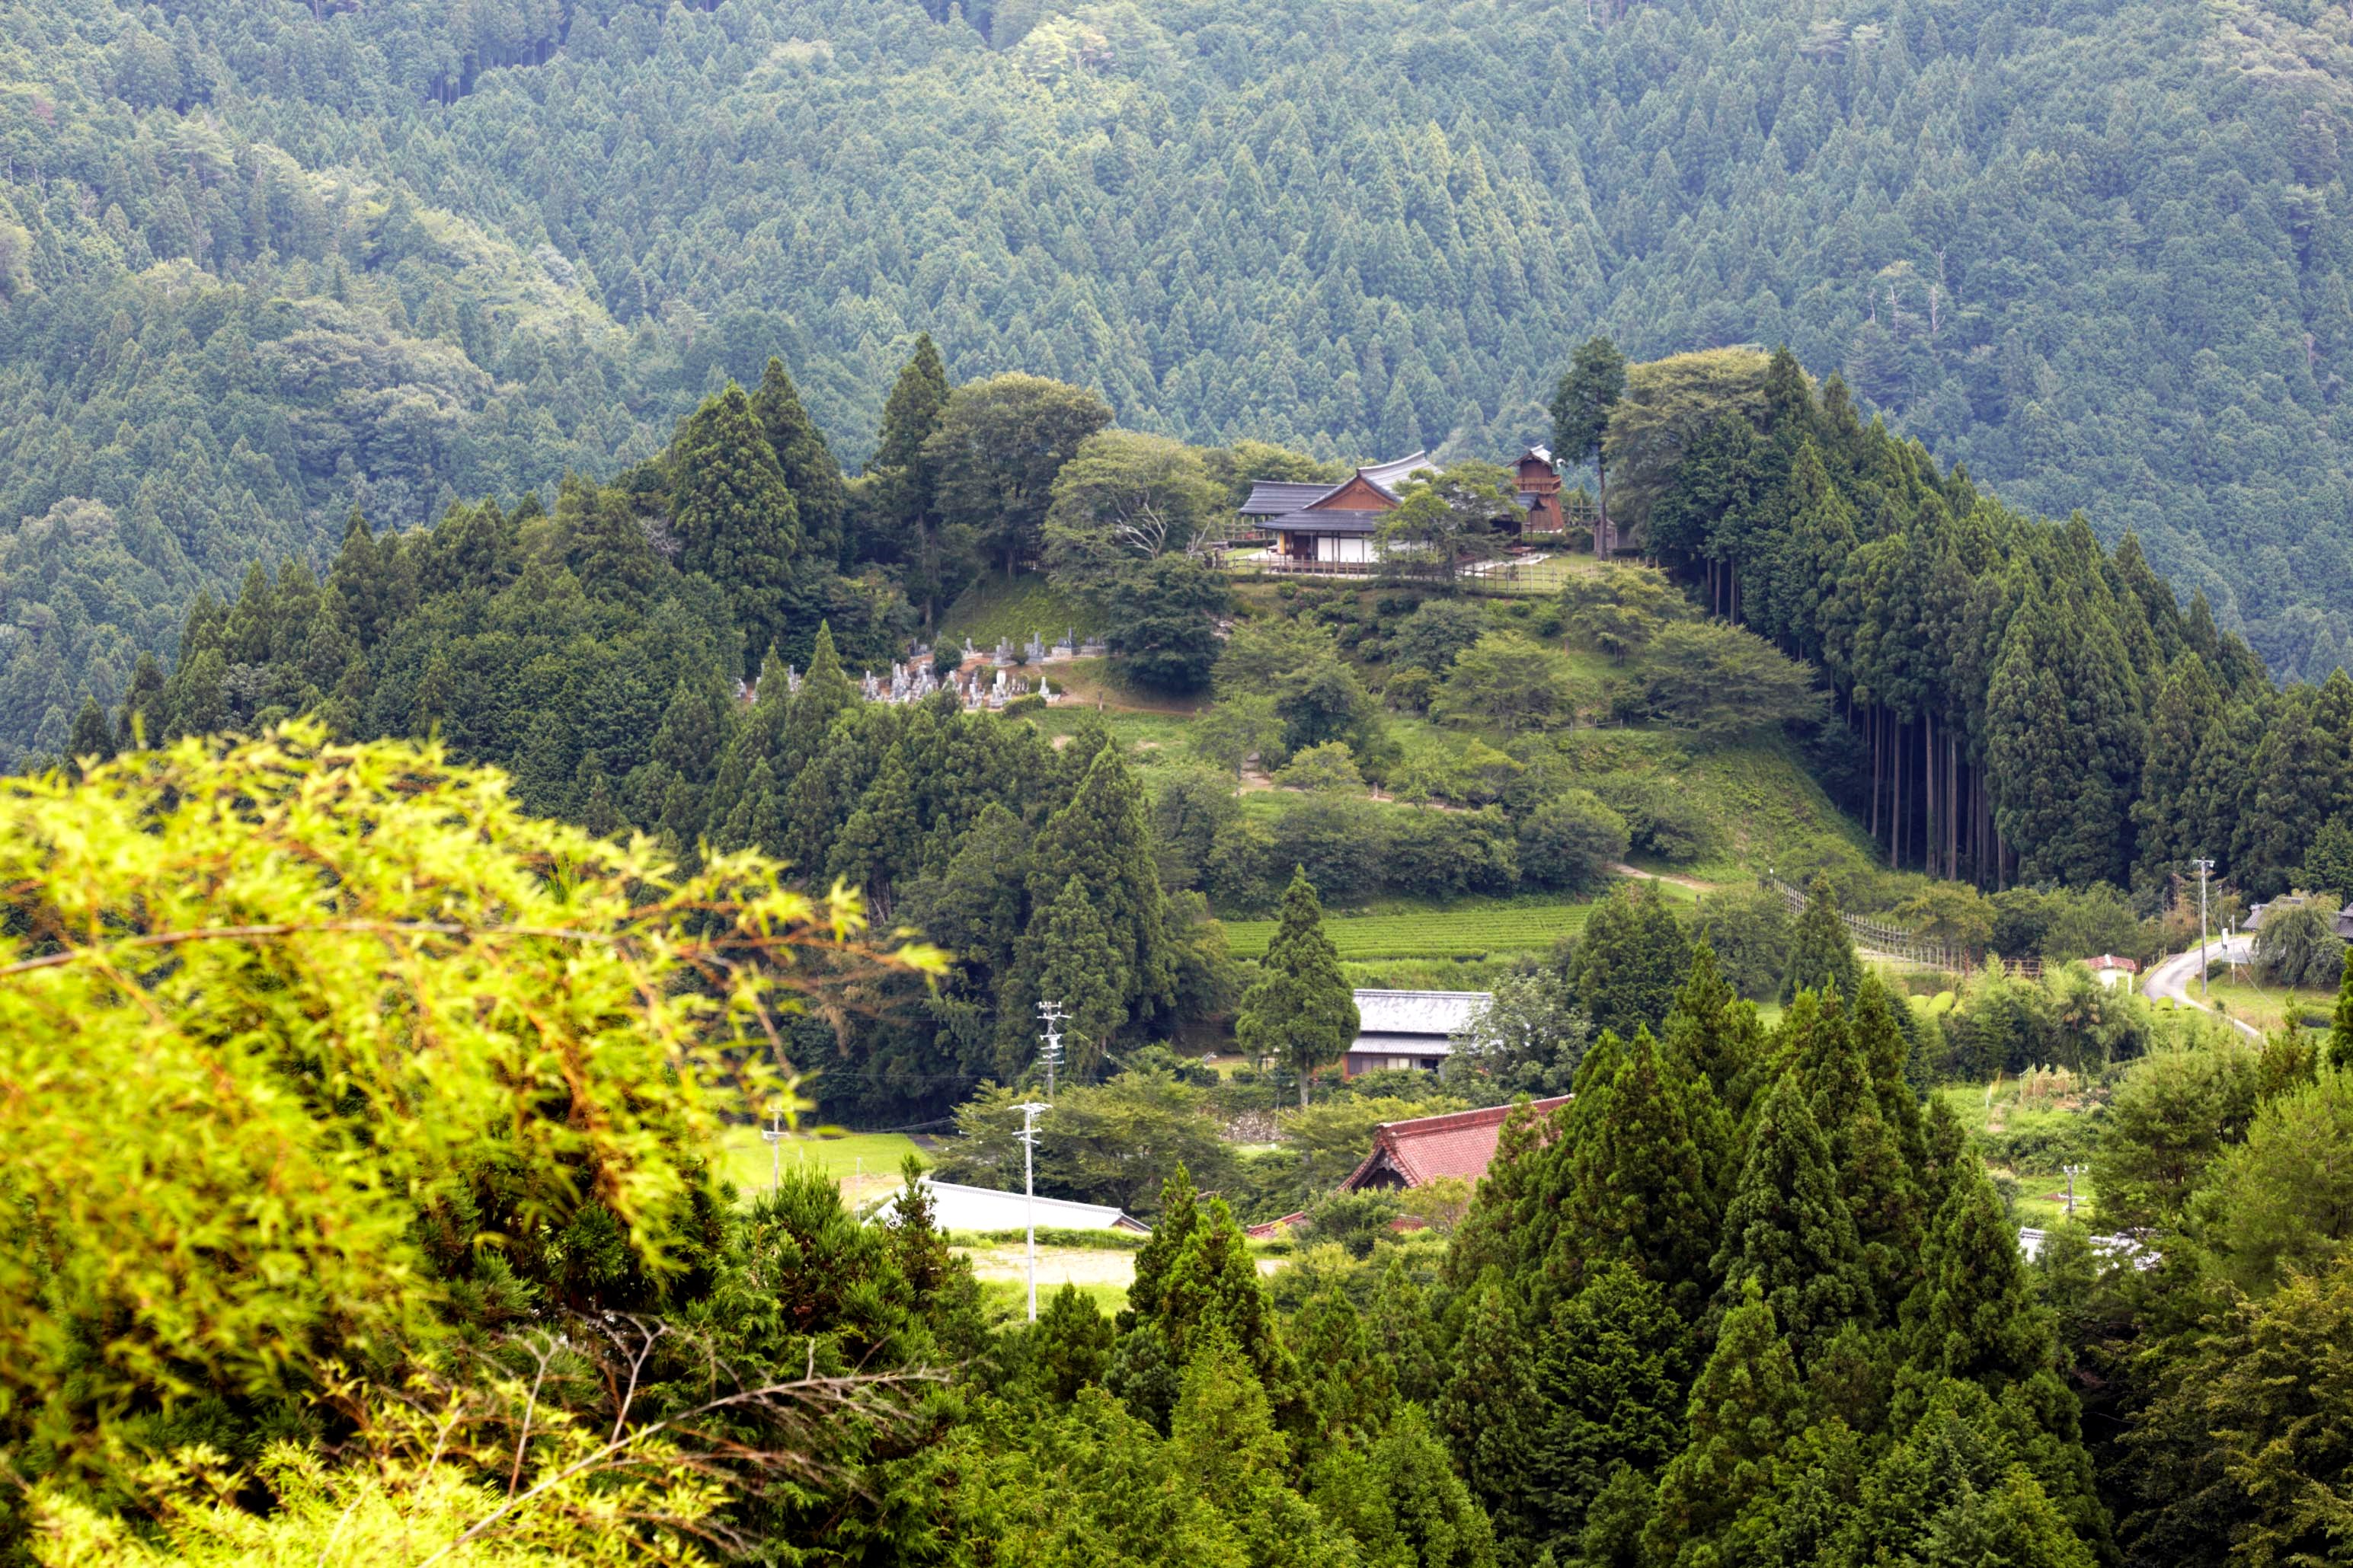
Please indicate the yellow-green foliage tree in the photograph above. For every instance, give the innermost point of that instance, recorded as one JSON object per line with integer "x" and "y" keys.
{"x": 308, "y": 1052}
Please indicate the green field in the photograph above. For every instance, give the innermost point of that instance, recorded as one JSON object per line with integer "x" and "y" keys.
{"x": 865, "y": 1163}
{"x": 1464, "y": 930}
{"x": 2031, "y": 1143}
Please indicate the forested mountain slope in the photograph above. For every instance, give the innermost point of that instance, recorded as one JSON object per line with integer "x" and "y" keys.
{"x": 259, "y": 262}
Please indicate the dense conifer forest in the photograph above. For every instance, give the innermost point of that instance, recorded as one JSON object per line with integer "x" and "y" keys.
{"x": 261, "y": 263}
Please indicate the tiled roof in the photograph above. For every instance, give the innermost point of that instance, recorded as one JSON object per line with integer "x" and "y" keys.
{"x": 1391, "y": 474}
{"x": 1275, "y": 1228}
{"x": 1277, "y": 499}
{"x": 1272, "y": 498}
{"x": 1459, "y": 1143}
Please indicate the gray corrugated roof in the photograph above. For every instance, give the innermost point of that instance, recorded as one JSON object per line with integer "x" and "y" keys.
{"x": 1423, "y": 1013}
{"x": 1401, "y": 1044}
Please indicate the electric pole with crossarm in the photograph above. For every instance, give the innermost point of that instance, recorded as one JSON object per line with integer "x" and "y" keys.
{"x": 1030, "y": 1111}
{"x": 2204, "y": 867}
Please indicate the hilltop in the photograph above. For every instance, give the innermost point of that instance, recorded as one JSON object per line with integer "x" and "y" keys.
{"x": 262, "y": 263}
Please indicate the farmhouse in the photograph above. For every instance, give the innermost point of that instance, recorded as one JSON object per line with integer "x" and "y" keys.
{"x": 1414, "y": 1153}
{"x": 1409, "y": 1028}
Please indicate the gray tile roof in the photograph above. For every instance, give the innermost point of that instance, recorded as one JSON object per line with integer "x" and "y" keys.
{"x": 1272, "y": 498}
{"x": 1278, "y": 497}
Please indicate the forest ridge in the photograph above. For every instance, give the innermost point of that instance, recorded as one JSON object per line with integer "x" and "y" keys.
{"x": 261, "y": 262}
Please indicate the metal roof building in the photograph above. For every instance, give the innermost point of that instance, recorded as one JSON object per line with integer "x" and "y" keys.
{"x": 956, "y": 1208}
{"x": 1409, "y": 1028}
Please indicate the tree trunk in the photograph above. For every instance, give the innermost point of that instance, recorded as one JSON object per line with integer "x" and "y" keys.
{"x": 1895, "y": 818}
{"x": 1303, "y": 1088}
{"x": 1929, "y": 823}
{"x": 1871, "y": 722}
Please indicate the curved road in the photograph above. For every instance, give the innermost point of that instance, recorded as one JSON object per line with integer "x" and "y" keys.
{"x": 2178, "y": 974}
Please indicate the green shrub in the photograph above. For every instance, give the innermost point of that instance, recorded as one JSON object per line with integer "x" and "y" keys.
{"x": 1570, "y": 842}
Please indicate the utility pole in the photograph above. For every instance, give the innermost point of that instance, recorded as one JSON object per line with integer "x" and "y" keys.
{"x": 2072, "y": 1172}
{"x": 1051, "y": 1014}
{"x": 2204, "y": 867}
{"x": 773, "y": 1136}
{"x": 1030, "y": 1111}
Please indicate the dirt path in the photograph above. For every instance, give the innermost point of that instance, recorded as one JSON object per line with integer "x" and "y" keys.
{"x": 1690, "y": 884}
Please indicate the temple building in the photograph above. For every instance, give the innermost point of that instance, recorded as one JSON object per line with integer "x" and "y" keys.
{"x": 1329, "y": 525}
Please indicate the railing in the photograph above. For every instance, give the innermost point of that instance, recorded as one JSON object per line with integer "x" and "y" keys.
{"x": 1881, "y": 940}
{"x": 1535, "y": 574}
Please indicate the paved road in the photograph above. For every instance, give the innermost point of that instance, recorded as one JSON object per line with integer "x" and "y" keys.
{"x": 2176, "y": 977}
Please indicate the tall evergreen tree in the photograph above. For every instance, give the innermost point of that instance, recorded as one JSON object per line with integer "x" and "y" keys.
{"x": 1788, "y": 1230}
{"x": 1630, "y": 959}
{"x": 2174, "y": 823}
{"x": 1589, "y": 390}
{"x": 820, "y": 497}
{"x": 900, "y": 518}
{"x": 1607, "y": 1393}
{"x": 2066, "y": 740}
{"x": 2340, "y": 1027}
{"x": 734, "y": 515}
{"x": 1822, "y": 956}
{"x": 1646, "y": 1180}
{"x": 1081, "y": 972}
{"x": 140, "y": 721}
{"x": 1489, "y": 1405}
{"x": 824, "y": 694}
{"x": 1746, "y": 1414}
{"x": 1300, "y": 1012}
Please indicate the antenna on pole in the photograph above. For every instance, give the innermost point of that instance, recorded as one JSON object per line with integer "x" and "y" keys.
{"x": 1051, "y": 1014}
{"x": 2204, "y": 867}
{"x": 1030, "y": 1111}
{"x": 2072, "y": 1172}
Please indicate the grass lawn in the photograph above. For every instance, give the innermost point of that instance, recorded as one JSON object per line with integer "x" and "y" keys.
{"x": 865, "y": 1163}
{"x": 2265, "y": 1006}
{"x": 1151, "y": 740}
{"x": 1003, "y": 1272}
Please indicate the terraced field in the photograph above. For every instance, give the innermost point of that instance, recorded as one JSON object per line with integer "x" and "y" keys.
{"x": 1458, "y": 932}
